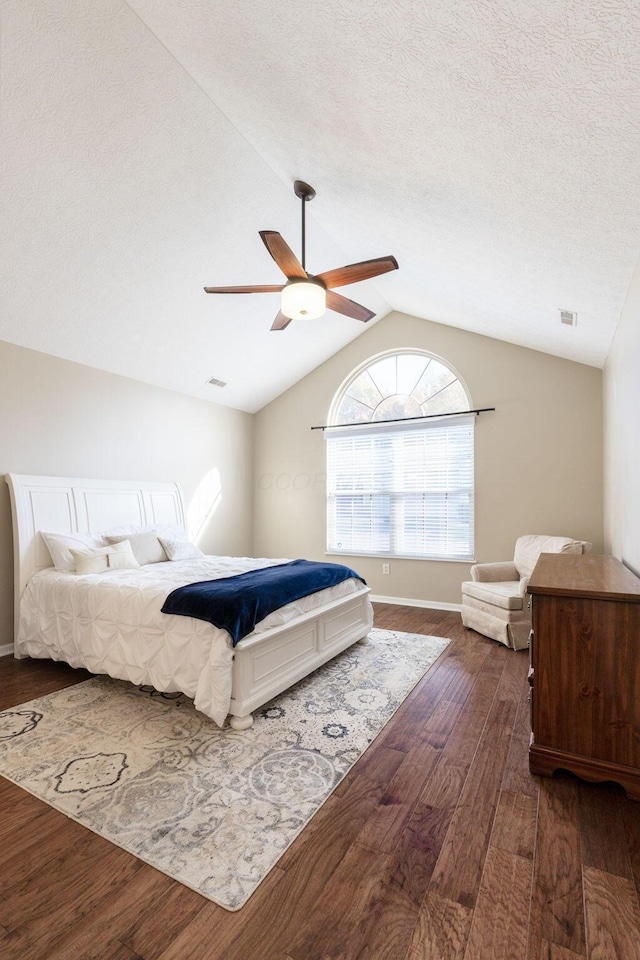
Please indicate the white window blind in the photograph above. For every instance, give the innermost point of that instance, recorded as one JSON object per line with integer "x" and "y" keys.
{"x": 404, "y": 491}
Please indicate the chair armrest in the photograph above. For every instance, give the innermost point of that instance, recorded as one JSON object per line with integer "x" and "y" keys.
{"x": 494, "y": 572}
{"x": 522, "y": 589}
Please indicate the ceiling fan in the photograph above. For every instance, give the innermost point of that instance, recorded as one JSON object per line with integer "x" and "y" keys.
{"x": 305, "y": 295}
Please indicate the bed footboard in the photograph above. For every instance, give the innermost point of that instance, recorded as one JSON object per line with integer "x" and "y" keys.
{"x": 270, "y": 662}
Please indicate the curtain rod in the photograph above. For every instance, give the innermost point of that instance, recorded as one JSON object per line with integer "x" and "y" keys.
{"x": 428, "y": 416}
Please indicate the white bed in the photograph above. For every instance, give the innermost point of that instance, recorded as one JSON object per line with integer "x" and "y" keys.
{"x": 111, "y": 623}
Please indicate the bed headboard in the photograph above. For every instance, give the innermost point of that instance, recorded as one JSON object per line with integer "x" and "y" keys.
{"x": 69, "y": 505}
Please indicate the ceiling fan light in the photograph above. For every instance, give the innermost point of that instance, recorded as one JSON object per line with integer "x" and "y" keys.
{"x": 303, "y": 300}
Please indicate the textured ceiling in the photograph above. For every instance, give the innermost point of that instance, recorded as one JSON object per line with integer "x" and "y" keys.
{"x": 491, "y": 145}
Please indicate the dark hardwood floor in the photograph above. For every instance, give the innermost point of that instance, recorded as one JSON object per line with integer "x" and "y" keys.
{"x": 439, "y": 845}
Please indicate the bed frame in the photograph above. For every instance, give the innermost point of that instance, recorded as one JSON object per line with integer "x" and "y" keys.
{"x": 264, "y": 665}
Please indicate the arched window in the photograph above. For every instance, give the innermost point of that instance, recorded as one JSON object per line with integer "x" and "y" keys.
{"x": 401, "y": 488}
{"x": 408, "y": 384}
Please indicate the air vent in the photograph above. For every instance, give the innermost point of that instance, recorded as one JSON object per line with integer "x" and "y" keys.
{"x": 216, "y": 383}
{"x": 569, "y": 317}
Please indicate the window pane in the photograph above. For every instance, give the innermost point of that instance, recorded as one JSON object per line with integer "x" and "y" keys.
{"x": 435, "y": 377}
{"x": 359, "y": 523}
{"x": 452, "y": 398}
{"x": 352, "y": 411}
{"x": 410, "y": 369}
{"x": 435, "y": 525}
{"x": 359, "y": 464}
{"x": 383, "y": 374}
{"x": 398, "y": 407}
{"x": 364, "y": 389}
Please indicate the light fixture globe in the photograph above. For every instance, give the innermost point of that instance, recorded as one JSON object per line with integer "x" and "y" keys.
{"x": 303, "y": 300}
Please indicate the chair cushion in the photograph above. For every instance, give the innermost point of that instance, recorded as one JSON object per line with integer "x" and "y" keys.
{"x": 505, "y": 594}
{"x": 529, "y": 548}
{"x": 493, "y": 610}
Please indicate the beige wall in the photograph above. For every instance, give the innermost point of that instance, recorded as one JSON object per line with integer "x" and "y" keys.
{"x": 622, "y": 433}
{"x": 538, "y": 457}
{"x": 63, "y": 419}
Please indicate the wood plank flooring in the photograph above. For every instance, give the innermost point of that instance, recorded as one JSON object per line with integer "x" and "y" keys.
{"x": 439, "y": 845}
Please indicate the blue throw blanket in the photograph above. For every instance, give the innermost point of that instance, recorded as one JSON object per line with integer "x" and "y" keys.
{"x": 237, "y": 604}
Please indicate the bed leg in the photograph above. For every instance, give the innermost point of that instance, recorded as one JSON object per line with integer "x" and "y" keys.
{"x": 364, "y": 639}
{"x": 241, "y": 723}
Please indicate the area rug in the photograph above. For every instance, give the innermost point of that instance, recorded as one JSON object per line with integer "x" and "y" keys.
{"x": 214, "y": 809}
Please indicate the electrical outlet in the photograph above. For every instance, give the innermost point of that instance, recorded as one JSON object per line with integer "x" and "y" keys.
{"x": 385, "y": 568}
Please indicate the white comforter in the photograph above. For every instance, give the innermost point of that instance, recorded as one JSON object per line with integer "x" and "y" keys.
{"x": 111, "y": 623}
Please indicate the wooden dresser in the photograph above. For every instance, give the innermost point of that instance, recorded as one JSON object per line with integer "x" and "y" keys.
{"x": 585, "y": 669}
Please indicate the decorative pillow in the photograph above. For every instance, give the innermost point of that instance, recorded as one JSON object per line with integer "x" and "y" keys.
{"x": 180, "y": 549}
{"x": 146, "y": 547}
{"x": 119, "y": 556}
{"x": 61, "y": 545}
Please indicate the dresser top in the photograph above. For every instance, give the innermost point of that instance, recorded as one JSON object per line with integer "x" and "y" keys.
{"x": 584, "y": 575}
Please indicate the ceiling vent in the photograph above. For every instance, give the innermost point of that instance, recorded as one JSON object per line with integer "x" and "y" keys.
{"x": 570, "y": 317}
{"x": 216, "y": 383}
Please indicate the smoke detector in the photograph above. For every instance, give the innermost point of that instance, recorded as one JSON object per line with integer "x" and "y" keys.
{"x": 569, "y": 317}
{"x": 216, "y": 383}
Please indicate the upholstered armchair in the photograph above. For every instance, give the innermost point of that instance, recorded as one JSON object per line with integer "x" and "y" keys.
{"x": 495, "y": 600}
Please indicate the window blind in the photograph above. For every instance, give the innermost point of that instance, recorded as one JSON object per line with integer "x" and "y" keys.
{"x": 404, "y": 491}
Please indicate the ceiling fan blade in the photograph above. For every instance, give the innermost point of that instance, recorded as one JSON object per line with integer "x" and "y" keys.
{"x": 358, "y": 271}
{"x": 350, "y": 308}
{"x": 280, "y": 321}
{"x": 283, "y": 255}
{"x": 263, "y": 288}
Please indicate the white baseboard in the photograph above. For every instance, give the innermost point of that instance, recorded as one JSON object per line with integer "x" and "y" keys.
{"x": 6, "y": 650}
{"x": 405, "y": 602}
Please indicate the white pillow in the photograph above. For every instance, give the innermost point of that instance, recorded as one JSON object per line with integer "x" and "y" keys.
{"x": 60, "y": 546}
{"x": 174, "y": 531}
{"x": 146, "y": 547}
{"x": 180, "y": 549}
{"x": 117, "y": 556}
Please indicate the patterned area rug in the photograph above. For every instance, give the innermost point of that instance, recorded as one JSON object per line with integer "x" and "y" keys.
{"x": 214, "y": 809}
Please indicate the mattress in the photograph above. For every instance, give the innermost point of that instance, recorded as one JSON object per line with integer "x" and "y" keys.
{"x": 112, "y": 623}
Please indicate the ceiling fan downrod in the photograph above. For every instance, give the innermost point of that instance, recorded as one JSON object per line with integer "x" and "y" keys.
{"x": 306, "y": 193}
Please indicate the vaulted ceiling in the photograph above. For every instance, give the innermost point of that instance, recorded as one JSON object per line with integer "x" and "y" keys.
{"x": 491, "y": 146}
